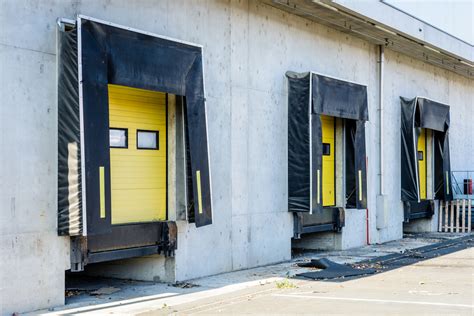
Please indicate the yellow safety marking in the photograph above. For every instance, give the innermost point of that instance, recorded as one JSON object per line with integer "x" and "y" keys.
{"x": 360, "y": 185}
{"x": 447, "y": 182}
{"x": 198, "y": 179}
{"x": 317, "y": 185}
{"x": 102, "y": 191}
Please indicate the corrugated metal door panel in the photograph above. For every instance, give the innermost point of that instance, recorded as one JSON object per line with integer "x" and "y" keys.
{"x": 422, "y": 163}
{"x": 329, "y": 176}
{"x": 138, "y": 176}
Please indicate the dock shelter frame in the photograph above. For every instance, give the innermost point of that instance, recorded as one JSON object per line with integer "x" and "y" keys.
{"x": 92, "y": 54}
{"x": 418, "y": 113}
{"x": 311, "y": 95}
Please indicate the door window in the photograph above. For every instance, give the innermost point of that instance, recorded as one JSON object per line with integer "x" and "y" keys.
{"x": 118, "y": 138}
{"x": 147, "y": 140}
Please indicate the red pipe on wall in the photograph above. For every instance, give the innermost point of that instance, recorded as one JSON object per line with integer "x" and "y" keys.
{"x": 367, "y": 209}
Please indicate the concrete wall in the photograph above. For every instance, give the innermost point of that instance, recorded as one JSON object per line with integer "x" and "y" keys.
{"x": 248, "y": 47}
{"x": 32, "y": 257}
{"x": 409, "y": 78}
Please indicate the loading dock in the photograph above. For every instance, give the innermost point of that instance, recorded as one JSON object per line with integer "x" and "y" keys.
{"x": 425, "y": 159}
{"x": 113, "y": 88}
{"x": 326, "y": 151}
{"x": 247, "y": 116}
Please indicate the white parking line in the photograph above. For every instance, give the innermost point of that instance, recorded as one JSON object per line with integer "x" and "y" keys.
{"x": 353, "y": 299}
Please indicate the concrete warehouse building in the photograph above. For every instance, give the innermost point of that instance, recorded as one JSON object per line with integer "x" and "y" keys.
{"x": 170, "y": 140}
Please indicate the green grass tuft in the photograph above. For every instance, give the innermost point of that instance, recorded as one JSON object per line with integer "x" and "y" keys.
{"x": 285, "y": 284}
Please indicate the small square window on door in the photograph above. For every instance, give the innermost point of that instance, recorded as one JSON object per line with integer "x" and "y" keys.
{"x": 118, "y": 138}
{"x": 148, "y": 140}
{"x": 326, "y": 149}
{"x": 420, "y": 155}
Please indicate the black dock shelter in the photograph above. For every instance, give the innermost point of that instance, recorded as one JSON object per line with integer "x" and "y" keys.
{"x": 417, "y": 114}
{"x": 93, "y": 54}
{"x": 311, "y": 96}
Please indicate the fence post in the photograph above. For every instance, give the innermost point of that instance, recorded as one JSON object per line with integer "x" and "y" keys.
{"x": 469, "y": 218}
{"x": 440, "y": 216}
{"x": 451, "y": 220}
{"x": 446, "y": 216}
{"x": 458, "y": 229}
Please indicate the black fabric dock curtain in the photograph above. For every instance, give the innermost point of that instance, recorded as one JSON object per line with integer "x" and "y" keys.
{"x": 115, "y": 55}
{"x": 69, "y": 138}
{"x": 311, "y": 95}
{"x": 416, "y": 114}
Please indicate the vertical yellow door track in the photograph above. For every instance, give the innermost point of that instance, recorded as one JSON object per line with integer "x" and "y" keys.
{"x": 422, "y": 163}
{"x": 329, "y": 176}
{"x": 138, "y": 175}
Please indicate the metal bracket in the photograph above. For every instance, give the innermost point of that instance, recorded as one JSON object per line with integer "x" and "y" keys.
{"x": 432, "y": 207}
{"x": 339, "y": 219}
{"x": 169, "y": 239}
{"x": 78, "y": 253}
{"x": 297, "y": 225}
{"x": 406, "y": 211}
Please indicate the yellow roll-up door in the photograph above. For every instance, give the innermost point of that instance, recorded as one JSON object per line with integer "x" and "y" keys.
{"x": 138, "y": 160}
{"x": 329, "y": 176}
{"x": 422, "y": 163}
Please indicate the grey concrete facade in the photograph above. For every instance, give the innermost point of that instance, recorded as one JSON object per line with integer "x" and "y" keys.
{"x": 248, "y": 47}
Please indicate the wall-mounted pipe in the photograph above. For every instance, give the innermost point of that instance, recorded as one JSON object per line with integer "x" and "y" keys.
{"x": 381, "y": 209}
{"x": 381, "y": 130}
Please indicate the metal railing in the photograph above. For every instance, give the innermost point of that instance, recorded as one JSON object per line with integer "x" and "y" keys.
{"x": 460, "y": 217}
{"x": 459, "y": 179}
